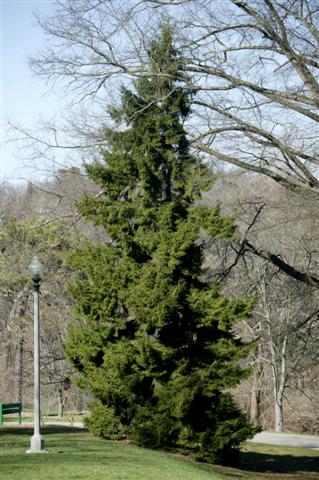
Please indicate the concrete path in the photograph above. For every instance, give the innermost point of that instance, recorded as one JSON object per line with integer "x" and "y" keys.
{"x": 47, "y": 423}
{"x": 288, "y": 439}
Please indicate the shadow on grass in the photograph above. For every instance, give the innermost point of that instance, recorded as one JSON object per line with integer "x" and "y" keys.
{"x": 54, "y": 429}
{"x": 267, "y": 463}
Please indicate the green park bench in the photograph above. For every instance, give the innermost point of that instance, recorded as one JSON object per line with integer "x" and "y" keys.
{"x": 8, "y": 408}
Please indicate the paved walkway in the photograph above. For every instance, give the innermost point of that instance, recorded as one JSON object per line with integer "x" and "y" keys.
{"x": 288, "y": 439}
{"x": 47, "y": 423}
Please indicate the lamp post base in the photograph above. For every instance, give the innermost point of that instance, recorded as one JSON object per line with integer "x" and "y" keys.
{"x": 37, "y": 445}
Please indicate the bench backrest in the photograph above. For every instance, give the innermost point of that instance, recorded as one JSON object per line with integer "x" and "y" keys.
{"x": 6, "y": 408}
{"x": 11, "y": 408}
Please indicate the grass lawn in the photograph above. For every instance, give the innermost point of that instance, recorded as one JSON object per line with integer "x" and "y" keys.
{"x": 76, "y": 454}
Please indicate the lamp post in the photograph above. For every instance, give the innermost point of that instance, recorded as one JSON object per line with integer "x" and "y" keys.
{"x": 37, "y": 441}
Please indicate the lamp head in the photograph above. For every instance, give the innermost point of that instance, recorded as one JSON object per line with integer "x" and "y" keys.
{"x": 35, "y": 269}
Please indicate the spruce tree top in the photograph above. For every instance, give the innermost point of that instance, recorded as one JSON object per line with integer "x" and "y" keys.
{"x": 148, "y": 164}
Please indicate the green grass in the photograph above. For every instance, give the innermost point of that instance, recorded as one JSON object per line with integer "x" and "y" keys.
{"x": 76, "y": 454}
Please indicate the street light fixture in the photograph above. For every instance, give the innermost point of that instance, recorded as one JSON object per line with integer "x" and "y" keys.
{"x": 37, "y": 441}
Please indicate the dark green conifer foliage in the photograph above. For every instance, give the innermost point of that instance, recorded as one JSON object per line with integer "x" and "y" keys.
{"x": 155, "y": 346}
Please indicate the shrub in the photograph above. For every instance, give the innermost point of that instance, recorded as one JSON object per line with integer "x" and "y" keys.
{"x": 103, "y": 423}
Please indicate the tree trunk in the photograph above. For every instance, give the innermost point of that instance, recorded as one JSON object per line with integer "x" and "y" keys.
{"x": 17, "y": 321}
{"x": 278, "y": 364}
{"x": 7, "y": 351}
{"x": 255, "y": 393}
{"x": 61, "y": 402}
{"x": 255, "y": 401}
{"x": 19, "y": 370}
{"x": 279, "y": 416}
{"x": 255, "y": 397}
{"x": 279, "y": 383}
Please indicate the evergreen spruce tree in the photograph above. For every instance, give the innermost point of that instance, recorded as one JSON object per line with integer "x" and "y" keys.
{"x": 155, "y": 346}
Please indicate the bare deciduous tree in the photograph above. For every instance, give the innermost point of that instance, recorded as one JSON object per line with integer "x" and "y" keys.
{"x": 253, "y": 65}
{"x": 286, "y": 320}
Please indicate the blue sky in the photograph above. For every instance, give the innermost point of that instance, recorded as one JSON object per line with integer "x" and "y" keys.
{"x": 24, "y": 97}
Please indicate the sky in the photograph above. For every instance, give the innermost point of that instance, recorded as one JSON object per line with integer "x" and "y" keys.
{"x": 24, "y": 98}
